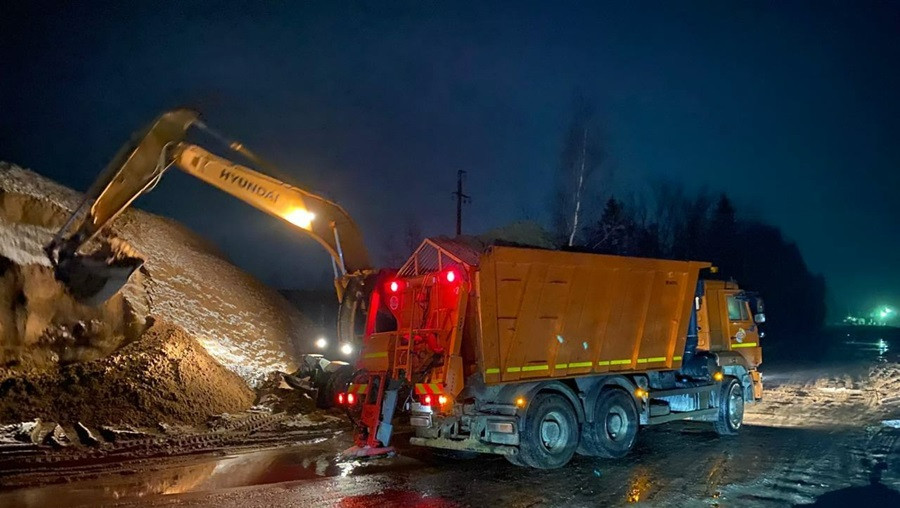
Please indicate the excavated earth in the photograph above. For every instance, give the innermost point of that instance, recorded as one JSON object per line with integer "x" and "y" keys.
{"x": 163, "y": 376}
{"x": 188, "y": 337}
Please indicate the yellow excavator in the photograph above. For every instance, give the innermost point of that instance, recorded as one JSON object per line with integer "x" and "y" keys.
{"x": 93, "y": 277}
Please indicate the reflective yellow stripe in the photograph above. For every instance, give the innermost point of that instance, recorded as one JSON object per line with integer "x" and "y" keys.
{"x": 603, "y": 363}
{"x": 513, "y": 369}
{"x": 363, "y": 389}
{"x": 492, "y": 370}
{"x": 744, "y": 344}
{"x": 579, "y": 365}
{"x": 529, "y": 368}
{"x": 620, "y": 362}
{"x": 652, "y": 360}
{"x": 435, "y": 387}
{"x": 676, "y": 358}
{"x": 382, "y": 354}
{"x": 560, "y": 365}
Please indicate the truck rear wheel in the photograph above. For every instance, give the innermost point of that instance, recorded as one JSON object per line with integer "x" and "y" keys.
{"x": 614, "y": 429}
{"x": 549, "y": 435}
{"x": 731, "y": 408}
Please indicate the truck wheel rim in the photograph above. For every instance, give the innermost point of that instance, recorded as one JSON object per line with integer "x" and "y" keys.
{"x": 615, "y": 423}
{"x": 554, "y": 431}
{"x": 735, "y": 406}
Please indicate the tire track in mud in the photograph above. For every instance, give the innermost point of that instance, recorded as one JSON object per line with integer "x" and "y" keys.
{"x": 34, "y": 465}
{"x": 809, "y": 474}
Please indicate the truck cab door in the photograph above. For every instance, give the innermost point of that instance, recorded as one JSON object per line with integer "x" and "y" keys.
{"x": 742, "y": 331}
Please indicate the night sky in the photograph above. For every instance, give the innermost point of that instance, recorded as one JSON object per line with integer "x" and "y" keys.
{"x": 791, "y": 107}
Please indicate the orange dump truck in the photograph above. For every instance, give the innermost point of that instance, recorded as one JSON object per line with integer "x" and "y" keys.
{"x": 538, "y": 354}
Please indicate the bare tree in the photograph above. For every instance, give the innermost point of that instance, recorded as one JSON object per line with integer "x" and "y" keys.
{"x": 582, "y": 155}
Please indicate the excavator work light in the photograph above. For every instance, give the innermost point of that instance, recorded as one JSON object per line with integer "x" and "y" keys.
{"x": 346, "y": 349}
{"x": 321, "y": 343}
{"x": 300, "y": 217}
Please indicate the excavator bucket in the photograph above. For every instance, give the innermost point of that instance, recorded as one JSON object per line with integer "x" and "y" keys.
{"x": 92, "y": 281}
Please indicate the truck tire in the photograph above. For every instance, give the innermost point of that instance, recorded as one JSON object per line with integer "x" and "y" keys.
{"x": 614, "y": 429}
{"x": 515, "y": 460}
{"x": 731, "y": 408}
{"x": 549, "y": 434}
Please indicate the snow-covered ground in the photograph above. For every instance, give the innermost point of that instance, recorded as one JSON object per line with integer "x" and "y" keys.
{"x": 852, "y": 395}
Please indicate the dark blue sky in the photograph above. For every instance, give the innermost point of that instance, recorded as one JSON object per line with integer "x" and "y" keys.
{"x": 790, "y": 107}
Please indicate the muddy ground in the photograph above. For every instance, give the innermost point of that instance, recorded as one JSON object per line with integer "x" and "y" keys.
{"x": 820, "y": 437}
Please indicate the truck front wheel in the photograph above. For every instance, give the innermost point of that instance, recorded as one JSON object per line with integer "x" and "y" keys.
{"x": 549, "y": 434}
{"x": 731, "y": 408}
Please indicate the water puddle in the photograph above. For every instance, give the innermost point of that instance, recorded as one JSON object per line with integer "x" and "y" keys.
{"x": 306, "y": 462}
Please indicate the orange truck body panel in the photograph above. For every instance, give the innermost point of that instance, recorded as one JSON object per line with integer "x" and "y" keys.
{"x": 550, "y": 314}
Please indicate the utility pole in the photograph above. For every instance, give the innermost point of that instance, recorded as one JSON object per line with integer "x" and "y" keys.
{"x": 460, "y": 199}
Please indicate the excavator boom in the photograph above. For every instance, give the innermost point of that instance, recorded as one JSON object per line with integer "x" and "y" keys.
{"x": 325, "y": 221}
{"x": 137, "y": 168}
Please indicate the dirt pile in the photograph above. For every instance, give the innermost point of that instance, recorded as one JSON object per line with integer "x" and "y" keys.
{"x": 243, "y": 324}
{"x": 163, "y": 376}
{"x": 44, "y": 326}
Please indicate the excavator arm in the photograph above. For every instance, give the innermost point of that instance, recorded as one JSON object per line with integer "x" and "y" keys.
{"x": 137, "y": 168}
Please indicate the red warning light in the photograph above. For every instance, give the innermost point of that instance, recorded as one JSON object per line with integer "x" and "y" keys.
{"x": 351, "y": 399}
{"x": 340, "y": 398}
{"x": 427, "y": 400}
{"x": 394, "y": 286}
{"x": 451, "y": 276}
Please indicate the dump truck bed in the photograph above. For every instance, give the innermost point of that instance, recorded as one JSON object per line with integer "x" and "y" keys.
{"x": 551, "y": 314}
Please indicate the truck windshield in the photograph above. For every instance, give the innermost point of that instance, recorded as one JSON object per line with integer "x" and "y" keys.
{"x": 737, "y": 309}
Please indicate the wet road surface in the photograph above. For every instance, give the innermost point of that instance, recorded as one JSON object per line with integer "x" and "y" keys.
{"x": 680, "y": 464}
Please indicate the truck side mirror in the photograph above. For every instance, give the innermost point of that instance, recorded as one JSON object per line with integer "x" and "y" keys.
{"x": 759, "y": 318}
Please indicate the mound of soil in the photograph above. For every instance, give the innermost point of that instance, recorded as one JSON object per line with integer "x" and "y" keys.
{"x": 163, "y": 376}
{"x": 43, "y": 326}
{"x": 248, "y": 327}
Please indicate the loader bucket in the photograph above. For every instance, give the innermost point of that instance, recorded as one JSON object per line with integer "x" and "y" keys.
{"x": 92, "y": 281}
